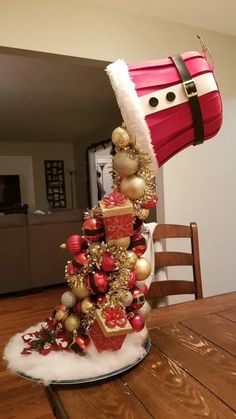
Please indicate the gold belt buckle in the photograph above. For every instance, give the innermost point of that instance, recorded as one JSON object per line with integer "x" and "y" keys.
{"x": 190, "y": 84}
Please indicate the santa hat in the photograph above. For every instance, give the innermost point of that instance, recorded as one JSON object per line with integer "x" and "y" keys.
{"x": 168, "y": 104}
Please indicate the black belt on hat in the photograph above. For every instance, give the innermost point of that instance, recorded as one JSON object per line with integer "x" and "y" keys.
{"x": 192, "y": 95}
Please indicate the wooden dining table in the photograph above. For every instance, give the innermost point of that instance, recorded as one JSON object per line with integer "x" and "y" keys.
{"x": 189, "y": 372}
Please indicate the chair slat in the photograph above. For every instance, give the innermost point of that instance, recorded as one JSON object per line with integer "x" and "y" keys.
{"x": 171, "y": 287}
{"x": 196, "y": 261}
{"x": 173, "y": 259}
{"x": 171, "y": 231}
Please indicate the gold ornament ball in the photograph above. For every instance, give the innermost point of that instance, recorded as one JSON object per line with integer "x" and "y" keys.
{"x": 61, "y": 314}
{"x": 143, "y": 213}
{"x": 132, "y": 257}
{"x": 72, "y": 322}
{"x": 124, "y": 164}
{"x": 87, "y": 305}
{"x": 133, "y": 187}
{"x": 123, "y": 242}
{"x": 142, "y": 268}
{"x": 120, "y": 137}
{"x": 80, "y": 291}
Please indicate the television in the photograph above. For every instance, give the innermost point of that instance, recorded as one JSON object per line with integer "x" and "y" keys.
{"x": 9, "y": 191}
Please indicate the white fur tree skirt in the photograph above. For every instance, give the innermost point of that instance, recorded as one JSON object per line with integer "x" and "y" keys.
{"x": 67, "y": 366}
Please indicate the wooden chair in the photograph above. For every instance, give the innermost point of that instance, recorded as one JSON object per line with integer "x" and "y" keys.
{"x": 164, "y": 259}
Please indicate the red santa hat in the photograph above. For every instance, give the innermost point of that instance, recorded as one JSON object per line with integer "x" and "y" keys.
{"x": 168, "y": 104}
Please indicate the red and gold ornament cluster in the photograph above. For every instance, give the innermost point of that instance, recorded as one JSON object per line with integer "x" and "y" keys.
{"x": 107, "y": 270}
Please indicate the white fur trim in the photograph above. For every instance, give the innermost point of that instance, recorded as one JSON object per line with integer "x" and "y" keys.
{"x": 130, "y": 107}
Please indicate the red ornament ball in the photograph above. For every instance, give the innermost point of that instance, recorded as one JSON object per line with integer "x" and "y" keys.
{"x": 97, "y": 282}
{"x": 108, "y": 263}
{"x": 132, "y": 280}
{"x": 151, "y": 201}
{"x": 137, "y": 322}
{"x": 78, "y": 309}
{"x": 93, "y": 229}
{"x": 138, "y": 299}
{"x": 83, "y": 342}
{"x": 138, "y": 244}
{"x": 143, "y": 287}
{"x": 75, "y": 243}
{"x": 80, "y": 260}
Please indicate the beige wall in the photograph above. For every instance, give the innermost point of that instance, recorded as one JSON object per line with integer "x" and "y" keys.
{"x": 199, "y": 184}
{"x": 81, "y": 179}
{"x": 75, "y": 28}
{"x": 39, "y": 153}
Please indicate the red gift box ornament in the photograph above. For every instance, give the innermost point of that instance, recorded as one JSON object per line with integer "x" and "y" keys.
{"x": 115, "y": 316}
{"x": 117, "y": 212}
{"x": 110, "y": 328}
{"x": 114, "y": 198}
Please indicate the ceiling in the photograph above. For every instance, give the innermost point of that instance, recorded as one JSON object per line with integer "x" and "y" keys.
{"x": 213, "y": 15}
{"x": 52, "y": 98}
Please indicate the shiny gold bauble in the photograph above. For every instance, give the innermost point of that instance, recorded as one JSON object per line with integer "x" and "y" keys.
{"x": 124, "y": 164}
{"x": 120, "y": 137}
{"x": 61, "y": 313}
{"x": 143, "y": 213}
{"x": 72, "y": 322}
{"x": 132, "y": 257}
{"x": 142, "y": 268}
{"x": 80, "y": 291}
{"x": 123, "y": 242}
{"x": 87, "y": 305}
{"x": 133, "y": 187}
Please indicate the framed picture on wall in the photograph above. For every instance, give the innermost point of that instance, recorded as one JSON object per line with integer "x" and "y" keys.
{"x": 55, "y": 183}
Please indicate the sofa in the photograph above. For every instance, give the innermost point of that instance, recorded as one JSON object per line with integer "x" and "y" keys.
{"x": 30, "y": 254}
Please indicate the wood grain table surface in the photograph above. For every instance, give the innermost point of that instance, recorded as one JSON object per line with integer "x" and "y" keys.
{"x": 190, "y": 371}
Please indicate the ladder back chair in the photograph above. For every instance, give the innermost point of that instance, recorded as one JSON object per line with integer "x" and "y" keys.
{"x": 166, "y": 258}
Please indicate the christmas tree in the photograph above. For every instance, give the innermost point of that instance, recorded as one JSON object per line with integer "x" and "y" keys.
{"x": 107, "y": 272}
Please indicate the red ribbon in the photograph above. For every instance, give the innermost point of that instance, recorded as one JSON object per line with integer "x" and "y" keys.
{"x": 114, "y": 198}
{"x": 115, "y": 316}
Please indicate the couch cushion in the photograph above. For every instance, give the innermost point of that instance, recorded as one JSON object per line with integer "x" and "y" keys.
{"x": 12, "y": 220}
{"x": 14, "y": 254}
{"x": 56, "y": 217}
{"x": 47, "y": 260}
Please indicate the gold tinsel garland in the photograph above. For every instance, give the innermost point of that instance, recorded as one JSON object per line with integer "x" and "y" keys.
{"x": 118, "y": 277}
{"x": 93, "y": 212}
